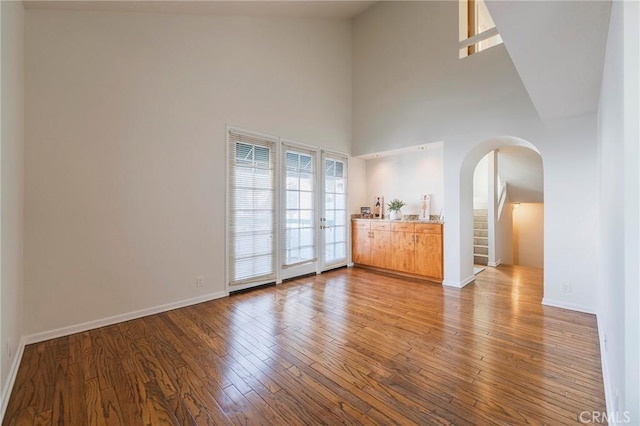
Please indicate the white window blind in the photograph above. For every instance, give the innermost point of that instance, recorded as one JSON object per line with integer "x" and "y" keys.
{"x": 252, "y": 215}
{"x": 299, "y": 243}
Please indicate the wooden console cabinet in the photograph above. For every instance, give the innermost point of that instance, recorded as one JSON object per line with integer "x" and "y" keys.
{"x": 413, "y": 248}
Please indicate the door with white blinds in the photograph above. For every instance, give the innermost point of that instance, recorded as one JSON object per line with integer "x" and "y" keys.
{"x": 299, "y": 206}
{"x": 252, "y": 210}
{"x": 333, "y": 220}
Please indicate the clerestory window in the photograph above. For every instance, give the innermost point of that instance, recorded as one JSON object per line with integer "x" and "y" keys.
{"x": 477, "y": 29}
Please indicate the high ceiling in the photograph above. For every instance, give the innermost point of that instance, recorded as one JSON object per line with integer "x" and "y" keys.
{"x": 303, "y": 9}
{"x": 557, "y": 47}
{"x": 558, "y": 50}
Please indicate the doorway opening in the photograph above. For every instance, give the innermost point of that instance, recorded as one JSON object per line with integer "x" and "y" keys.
{"x": 508, "y": 208}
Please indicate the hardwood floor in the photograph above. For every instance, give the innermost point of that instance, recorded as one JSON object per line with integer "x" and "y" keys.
{"x": 349, "y": 346}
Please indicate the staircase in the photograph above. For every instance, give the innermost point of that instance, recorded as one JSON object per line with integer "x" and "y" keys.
{"x": 480, "y": 237}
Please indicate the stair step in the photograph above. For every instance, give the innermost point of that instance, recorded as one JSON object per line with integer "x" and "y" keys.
{"x": 480, "y": 260}
{"x": 480, "y": 236}
{"x": 481, "y": 250}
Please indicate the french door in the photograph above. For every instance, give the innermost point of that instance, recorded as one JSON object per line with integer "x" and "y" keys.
{"x": 251, "y": 217}
{"x": 286, "y": 210}
{"x": 299, "y": 229}
{"x": 333, "y": 222}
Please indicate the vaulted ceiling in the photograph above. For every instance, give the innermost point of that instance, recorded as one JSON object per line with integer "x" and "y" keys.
{"x": 558, "y": 50}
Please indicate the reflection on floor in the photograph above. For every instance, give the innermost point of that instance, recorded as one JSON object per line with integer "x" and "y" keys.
{"x": 477, "y": 270}
{"x": 348, "y": 346}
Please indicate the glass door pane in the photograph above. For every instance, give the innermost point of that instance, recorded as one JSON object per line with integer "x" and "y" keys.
{"x": 334, "y": 211}
{"x": 299, "y": 237}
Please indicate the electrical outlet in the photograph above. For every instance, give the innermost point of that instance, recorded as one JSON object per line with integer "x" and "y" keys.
{"x": 566, "y": 287}
{"x": 199, "y": 281}
{"x": 9, "y": 348}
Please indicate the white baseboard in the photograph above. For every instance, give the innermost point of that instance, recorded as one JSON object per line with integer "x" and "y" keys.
{"x": 566, "y": 305}
{"x": 90, "y": 325}
{"x": 494, "y": 264}
{"x": 609, "y": 394}
{"x": 460, "y": 284}
{"x": 11, "y": 378}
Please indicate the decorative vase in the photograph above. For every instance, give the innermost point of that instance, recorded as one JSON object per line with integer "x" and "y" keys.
{"x": 395, "y": 215}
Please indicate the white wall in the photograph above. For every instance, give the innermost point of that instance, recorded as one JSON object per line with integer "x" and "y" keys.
{"x": 408, "y": 177}
{"x": 632, "y": 209}
{"x": 11, "y": 191}
{"x": 504, "y": 235}
{"x": 125, "y": 146}
{"x": 481, "y": 184}
{"x": 618, "y": 314}
{"x": 522, "y": 169}
{"x": 528, "y": 231}
{"x": 357, "y": 185}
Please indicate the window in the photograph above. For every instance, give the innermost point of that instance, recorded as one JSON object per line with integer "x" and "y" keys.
{"x": 477, "y": 29}
{"x": 251, "y": 209}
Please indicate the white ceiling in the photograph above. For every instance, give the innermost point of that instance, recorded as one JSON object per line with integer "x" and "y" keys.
{"x": 291, "y": 8}
{"x": 558, "y": 50}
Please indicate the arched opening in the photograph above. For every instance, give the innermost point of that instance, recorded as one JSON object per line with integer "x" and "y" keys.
{"x": 505, "y": 224}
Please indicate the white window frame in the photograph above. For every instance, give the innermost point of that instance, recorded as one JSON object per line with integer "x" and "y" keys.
{"x": 276, "y": 144}
{"x": 324, "y": 266}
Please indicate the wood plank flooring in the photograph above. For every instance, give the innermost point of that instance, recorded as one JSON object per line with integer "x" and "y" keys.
{"x": 349, "y": 346}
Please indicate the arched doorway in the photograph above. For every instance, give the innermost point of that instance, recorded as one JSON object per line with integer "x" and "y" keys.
{"x": 508, "y": 208}
{"x": 459, "y": 237}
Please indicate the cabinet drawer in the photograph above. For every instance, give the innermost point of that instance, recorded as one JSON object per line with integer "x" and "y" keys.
{"x": 362, "y": 224}
{"x": 402, "y": 227}
{"x": 429, "y": 228}
{"x": 380, "y": 226}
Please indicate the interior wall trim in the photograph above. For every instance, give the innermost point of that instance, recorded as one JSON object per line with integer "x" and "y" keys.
{"x": 566, "y": 305}
{"x": 13, "y": 372}
{"x": 90, "y": 325}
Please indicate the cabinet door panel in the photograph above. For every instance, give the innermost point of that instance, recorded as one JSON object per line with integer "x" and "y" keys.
{"x": 361, "y": 248}
{"x": 403, "y": 251}
{"x": 380, "y": 249}
{"x": 429, "y": 255}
